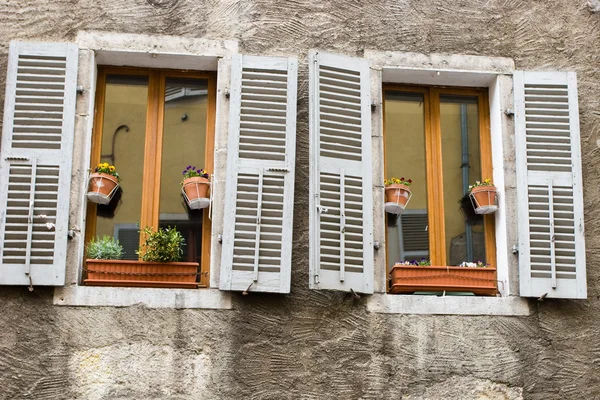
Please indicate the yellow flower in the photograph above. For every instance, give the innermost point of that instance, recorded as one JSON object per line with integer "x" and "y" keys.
{"x": 111, "y": 168}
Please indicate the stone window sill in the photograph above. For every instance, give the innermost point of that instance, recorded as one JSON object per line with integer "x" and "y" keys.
{"x": 448, "y": 305}
{"x": 98, "y": 296}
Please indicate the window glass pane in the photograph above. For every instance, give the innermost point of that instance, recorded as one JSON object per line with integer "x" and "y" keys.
{"x": 123, "y": 139}
{"x": 459, "y": 121}
{"x": 407, "y": 234}
{"x": 184, "y": 140}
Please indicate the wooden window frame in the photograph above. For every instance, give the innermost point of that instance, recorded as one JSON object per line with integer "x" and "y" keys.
{"x": 433, "y": 156}
{"x": 153, "y": 147}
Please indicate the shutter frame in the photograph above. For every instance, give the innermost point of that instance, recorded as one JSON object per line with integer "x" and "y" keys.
{"x": 341, "y": 276}
{"x": 538, "y": 180}
{"x": 42, "y": 143}
{"x": 272, "y": 171}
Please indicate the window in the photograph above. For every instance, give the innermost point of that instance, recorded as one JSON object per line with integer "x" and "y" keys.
{"x": 151, "y": 124}
{"x": 440, "y": 139}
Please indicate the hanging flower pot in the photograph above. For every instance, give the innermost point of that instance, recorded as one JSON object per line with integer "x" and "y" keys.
{"x": 397, "y": 195}
{"x": 484, "y": 197}
{"x": 195, "y": 187}
{"x": 103, "y": 184}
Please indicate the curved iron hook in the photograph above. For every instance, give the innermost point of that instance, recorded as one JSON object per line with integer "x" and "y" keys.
{"x": 111, "y": 156}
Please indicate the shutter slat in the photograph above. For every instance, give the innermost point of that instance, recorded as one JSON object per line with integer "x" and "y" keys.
{"x": 341, "y": 226}
{"x": 550, "y": 200}
{"x": 257, "y": 231}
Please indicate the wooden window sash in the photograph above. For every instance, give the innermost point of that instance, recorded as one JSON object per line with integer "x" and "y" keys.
{"x": 433, "y": 156}
{"x": 153, "y": 146}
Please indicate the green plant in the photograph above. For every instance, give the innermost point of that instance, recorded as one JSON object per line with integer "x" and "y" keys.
{"x": 485, "y": 182}
{"x": 164, "y": 245}
{"x": 401, "y": 181}
{"x": 191, "y": 172}
{"x": 106, "y": 248}
{"x": 106, "y": 168}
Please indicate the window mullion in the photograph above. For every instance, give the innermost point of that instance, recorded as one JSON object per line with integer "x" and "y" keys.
{"x": 486, "y": 172}
{"x": 208, "y": 166}
{"x": 90, "y": 225}
{"x": 151, "y": 175}
{"x": 435, "y": 180}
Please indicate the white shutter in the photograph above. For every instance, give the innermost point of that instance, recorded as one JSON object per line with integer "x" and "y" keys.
{"x": 35, "y": 164}
{"x": 550, "y": 210}
{"x": 341, "y": 193}
{"x": 259, "y": 193}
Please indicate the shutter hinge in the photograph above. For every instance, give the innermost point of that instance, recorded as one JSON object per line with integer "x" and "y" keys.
{"x": 316, "y": 278}
{"x": 509, "y": 112}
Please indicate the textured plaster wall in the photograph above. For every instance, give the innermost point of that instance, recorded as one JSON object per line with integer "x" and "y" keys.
{"x": 311, "y": 344}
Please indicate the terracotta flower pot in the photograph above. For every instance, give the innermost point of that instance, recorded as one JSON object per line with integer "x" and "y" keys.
{"x": 484, "y": 199}
{"x": 196, "y": 187}
{"x": 412, "y": 278}
{"x": 141, "y": 274}
{"x": 102, "y": 187}
{"x": 397, "y": 193}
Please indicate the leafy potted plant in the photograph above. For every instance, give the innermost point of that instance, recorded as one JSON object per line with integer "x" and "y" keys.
{"x": 103, "y": 184}
{"x": 397, "y": 194}
{"x": 194, "y": 186}
{"x": 159, "y": 266}
{"x": 420, "y": 276}
{"x": 106, "y": 248}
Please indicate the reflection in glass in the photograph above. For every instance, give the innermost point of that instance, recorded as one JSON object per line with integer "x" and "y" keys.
{"x": 184, "y": 140}
{"x": 407, "y": 234}
{"x": 459, "y": 120}
{"x": 123, "y": 138}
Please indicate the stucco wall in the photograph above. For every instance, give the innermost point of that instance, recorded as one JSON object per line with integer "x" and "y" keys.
{"x": 313, "y": 344}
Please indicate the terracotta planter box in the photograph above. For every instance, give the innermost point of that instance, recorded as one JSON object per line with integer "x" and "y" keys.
{"x": 410, "y": 278}
{"x": 141, "y": 274}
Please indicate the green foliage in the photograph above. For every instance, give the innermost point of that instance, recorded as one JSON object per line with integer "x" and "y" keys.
{"x": 192, "y": 172}
{"x": 106, "y": 248}
{"x": 485, "y": 182}
{"x": 165, "y": 245}
{"x": 401, "y": 181}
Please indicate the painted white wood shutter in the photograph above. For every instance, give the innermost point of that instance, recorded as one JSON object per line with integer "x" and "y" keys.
{"x": 259, "y": 193}
{"x": 35, "y": 164}
{"x": 549, "y": 185}
{"x": 341, "y": 193}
